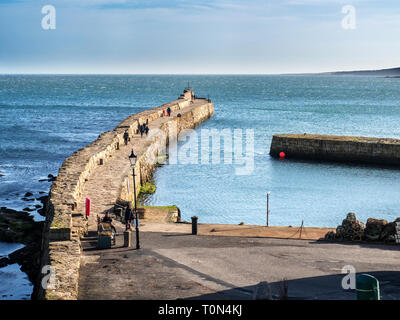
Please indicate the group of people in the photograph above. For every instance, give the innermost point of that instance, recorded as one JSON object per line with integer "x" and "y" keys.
{"x": 129, "y": 218}
{"x": 168, "y": 112}
{"x": 143, "y": 128}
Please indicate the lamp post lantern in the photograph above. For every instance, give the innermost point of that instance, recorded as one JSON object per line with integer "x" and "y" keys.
{"x": 132, "y": 159}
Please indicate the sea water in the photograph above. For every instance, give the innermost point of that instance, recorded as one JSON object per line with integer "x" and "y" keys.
{"x": 45, "y": 118}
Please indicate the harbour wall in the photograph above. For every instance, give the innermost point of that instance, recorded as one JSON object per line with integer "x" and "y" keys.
{"x": 66, "y": 222}
{"x": 377, "y": 151}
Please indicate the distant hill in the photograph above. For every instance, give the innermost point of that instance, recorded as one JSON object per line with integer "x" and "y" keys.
{"x": 394, "y": 72}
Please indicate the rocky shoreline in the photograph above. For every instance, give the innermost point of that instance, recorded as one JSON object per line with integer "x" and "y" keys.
{"x": 20, "y": 227}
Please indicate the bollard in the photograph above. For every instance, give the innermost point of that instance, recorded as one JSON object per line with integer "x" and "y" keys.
{"x": 194, "y": 225}
{"x": 127, "y": 239}
{"x": 367, "y": 287}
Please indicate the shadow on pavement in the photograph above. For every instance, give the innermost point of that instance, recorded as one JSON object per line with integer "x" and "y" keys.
{"x": 314, "y": 288}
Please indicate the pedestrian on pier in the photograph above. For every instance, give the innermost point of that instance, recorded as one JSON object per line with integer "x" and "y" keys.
{"x": 163, "y": 112}
{"x": 126, "y": 137}
{"x": 128, "y": 217}
{"x": 146, "y": 129}
{"x": 169, "y": 111}
{"x": 141, "y": 129}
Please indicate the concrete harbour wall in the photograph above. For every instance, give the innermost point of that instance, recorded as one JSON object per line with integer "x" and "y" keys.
{"x": 378, "y": 151}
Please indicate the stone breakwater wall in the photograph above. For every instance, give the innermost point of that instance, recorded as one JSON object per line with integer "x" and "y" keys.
{"x": 65, "y": 223}
{"x": 379, "y": 151}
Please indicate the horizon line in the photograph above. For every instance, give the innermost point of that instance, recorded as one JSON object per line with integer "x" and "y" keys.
{"x": 200, "y": 74}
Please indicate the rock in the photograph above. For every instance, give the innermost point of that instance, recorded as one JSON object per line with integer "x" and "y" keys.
{"x": 388, "y": 232}
{"x": 330, "y": 236}
{"x": 374, "y": 228}
{"x": 28, "y": 209}
{"x": 9, "y": 236}
{"x": 43, "y": 200}
{"x": 351, "y": 216}
{"x": 50, "y": 178}
{"x": 350, "y": 230}
{"x": 4, "y": 262}
{"x": 17, "y": 226}
{"x": 28, "y": 194}
{"x": 26, "y": 199}
{"x": 28, "y": 258}
{"x": 262, "y": 291}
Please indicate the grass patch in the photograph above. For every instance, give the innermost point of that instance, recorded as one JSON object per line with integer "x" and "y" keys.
{"x": 161, "y": 207}
{"x": 148, "y": 188}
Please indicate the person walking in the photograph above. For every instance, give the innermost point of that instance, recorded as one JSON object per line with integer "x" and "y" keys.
{"x": 163, "y": 112}
{"x": 128, "y": 217}
{"x": 169, "y": 111}
{"x": 141, "y": 129}
{"x": 146, "y": 129}
{"x": 126, "y": 137}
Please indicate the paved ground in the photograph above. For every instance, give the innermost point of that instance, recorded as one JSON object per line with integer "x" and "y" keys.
{"x": 182, "y": 266}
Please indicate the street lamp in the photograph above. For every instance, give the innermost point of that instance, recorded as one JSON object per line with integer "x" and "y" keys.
{"x": 268, "y": 194}
{"x": 132, "y": 159}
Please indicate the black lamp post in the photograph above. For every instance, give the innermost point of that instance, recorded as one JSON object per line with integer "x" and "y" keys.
{"x": 132, "y": 159}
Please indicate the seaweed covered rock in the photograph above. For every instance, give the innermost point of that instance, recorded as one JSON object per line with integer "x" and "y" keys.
{"x": 20, "y": 227}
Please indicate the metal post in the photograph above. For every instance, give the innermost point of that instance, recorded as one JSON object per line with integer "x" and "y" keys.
{"x": 268, "y": 208}
{"x": 127, "y": 238}
{"x": 136, "y": 213}
{"x": 194, "y": 225}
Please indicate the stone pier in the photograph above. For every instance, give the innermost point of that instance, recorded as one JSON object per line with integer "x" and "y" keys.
{"x": 101, "y": 171}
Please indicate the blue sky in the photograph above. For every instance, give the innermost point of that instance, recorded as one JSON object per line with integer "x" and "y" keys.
{"x": 202, "y": 37}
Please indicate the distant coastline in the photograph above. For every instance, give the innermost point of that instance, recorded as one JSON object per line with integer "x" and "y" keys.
{"x": 389, "y": 73}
